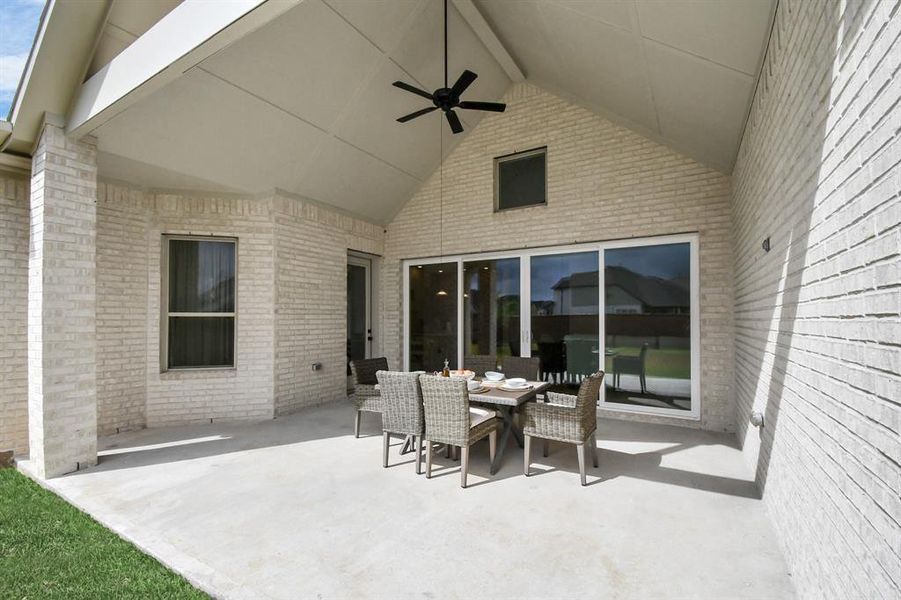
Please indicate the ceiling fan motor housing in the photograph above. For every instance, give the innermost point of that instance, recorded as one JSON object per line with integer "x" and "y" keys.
{"x": 445, "y": 99}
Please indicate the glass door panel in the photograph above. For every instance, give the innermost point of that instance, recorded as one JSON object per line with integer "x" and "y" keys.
{"x": 433, "y": 316}
{"x": 491, "y": 323}
{"x": 647, "y": 326}
{"x": 564, "y": 316}
{"x": 358, "y": 326}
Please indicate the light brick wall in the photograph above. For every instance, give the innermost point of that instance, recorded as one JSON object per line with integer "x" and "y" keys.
{"x": 604, "y": 183}
{"x": 14, "y": 313}
{"x": 189, "y": 396}
{"x": 291, "y": 306}
{"x": 311, "y": 294}
{"x": 122, "y": 271}
{"x": 818, "y": 318}
{"x": 62, "y": 403}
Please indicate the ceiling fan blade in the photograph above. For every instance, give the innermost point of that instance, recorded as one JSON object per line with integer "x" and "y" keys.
{"x": 418, "y": 113}
{"x": 492, "y": 106}
{"x": 464, "y": 81}
{"x": 454, "y": 121}
{"x": 411, "y": 89}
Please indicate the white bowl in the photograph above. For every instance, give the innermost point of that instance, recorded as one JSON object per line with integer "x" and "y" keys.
{"x": 472, "y": 384}
{"x": 516, "y": 382}
{"x": 494, "y": 376}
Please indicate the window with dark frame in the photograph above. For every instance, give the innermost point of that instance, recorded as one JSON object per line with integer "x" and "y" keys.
{"x": 520, "y": 179}
{"x": 199, "y": 279}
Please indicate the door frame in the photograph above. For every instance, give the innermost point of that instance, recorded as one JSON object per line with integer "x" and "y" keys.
{"x": 525, "y": 256}
{"x": 366, "y": 263}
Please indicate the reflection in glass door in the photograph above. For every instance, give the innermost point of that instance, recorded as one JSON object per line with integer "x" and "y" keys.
{"x": 491, "y": 308}
{"x": 359, "y": 327}
{"x": 648, "y": 326}
{"x": 564, "y": 316}
{"x": 433, "y": 295}
{"x": 549, "y": 304}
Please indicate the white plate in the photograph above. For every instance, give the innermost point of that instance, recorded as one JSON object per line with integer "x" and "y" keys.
{"x": 519, "y": 388}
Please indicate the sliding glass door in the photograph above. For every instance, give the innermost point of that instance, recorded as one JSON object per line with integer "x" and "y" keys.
{"x": 629, "y": 308}
{"x": 565, "y": 305}
{"x": 491, "y": 308}
{"x": 433, "y": 321}
{"x": 648, "y": 326}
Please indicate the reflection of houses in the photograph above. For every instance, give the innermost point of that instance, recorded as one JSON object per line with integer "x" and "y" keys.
{"x": 625, "y": 292}
{"x": 577, "y": 294}
{"x": 543, "y": 308}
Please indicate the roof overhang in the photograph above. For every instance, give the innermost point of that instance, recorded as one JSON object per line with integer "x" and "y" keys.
{"x": 56, "y": 65}
{"x": 190, "y": 33}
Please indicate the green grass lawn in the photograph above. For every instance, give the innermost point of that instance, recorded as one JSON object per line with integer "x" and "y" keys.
{"x": 50, "y": 549}
{"x": 674, "y": 363}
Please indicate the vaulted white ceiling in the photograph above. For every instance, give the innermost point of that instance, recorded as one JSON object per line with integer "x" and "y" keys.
{"x": 680, "y": 71}
{"x": 305, "y": 102}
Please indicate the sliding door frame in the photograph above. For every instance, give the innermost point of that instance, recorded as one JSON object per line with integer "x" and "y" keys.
{"x": 691, "y": 239}
{"x": 525, "y": 255}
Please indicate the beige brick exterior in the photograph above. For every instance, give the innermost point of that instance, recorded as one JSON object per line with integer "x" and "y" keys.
{"x": 818, "y": 318}
{"x": 311, "y": 244}
{"x": 292, "y": 257}
{"x": 62, "y": 393}
{"x": 14, "y": 204}
{"x": 605, "y": 182}
{"x": 245, "y": 392}
{"x": 291, "y": 301}
{"x": 122, "y": 271}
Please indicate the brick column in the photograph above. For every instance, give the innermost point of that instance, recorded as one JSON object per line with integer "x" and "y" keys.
{"x": 62, "y": 394}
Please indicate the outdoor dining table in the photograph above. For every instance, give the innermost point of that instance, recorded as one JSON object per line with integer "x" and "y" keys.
{"x": 507, "y": 403}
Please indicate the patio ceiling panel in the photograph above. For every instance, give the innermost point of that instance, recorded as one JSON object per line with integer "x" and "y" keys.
{"x": 382, "y": 23}
{"x": 355, "y": 181}
{"x": 370, "y": 120}
{"x": 309, "y": 62}
{"x": 681, "y": 72}
{"x": 603, "y": 62}
{"x": 683, "y": 94}
{"x": 204, "y": 127}
{"x": 421, "y": 54}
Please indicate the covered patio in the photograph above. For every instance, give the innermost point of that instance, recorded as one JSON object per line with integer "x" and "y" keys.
{"x": 298, "y": 508}
{"x": 677, "y": 223}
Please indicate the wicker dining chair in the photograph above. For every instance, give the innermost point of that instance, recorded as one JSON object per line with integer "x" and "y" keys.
{"x": 366, "y": 394}
{"x": 402, "y": 411}
{"x": 566, "y": 418}
{"x": 450, "y": 420}
{"x": 479, "y": 363}
{"x": 518, "y": 366}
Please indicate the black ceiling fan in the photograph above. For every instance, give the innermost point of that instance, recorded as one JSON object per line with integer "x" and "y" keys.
{"x": 448, "y": 98}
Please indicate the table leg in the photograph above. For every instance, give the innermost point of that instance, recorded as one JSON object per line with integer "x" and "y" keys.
{"x": 507, "y": 415}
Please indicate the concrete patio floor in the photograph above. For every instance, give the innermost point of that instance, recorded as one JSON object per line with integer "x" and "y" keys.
{"x": 298, "y": 508}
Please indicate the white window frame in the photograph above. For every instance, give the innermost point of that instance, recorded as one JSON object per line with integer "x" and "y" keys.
{"x": 164, "y": 304}
{"x": 498, "y": 160}
{"x": 525, "y": 294}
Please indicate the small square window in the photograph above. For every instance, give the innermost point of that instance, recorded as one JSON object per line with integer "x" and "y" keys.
{"x": 520, "y": 179}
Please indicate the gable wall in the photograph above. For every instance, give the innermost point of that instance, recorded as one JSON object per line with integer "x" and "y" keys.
{"x": 605, "y": 182}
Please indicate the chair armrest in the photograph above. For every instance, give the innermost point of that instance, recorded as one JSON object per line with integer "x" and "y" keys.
{"x": 561, "y": 399}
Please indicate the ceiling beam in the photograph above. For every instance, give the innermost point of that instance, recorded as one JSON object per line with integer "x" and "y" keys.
{"x": 471, "y": 14}
{"x": 190, "y": 33}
